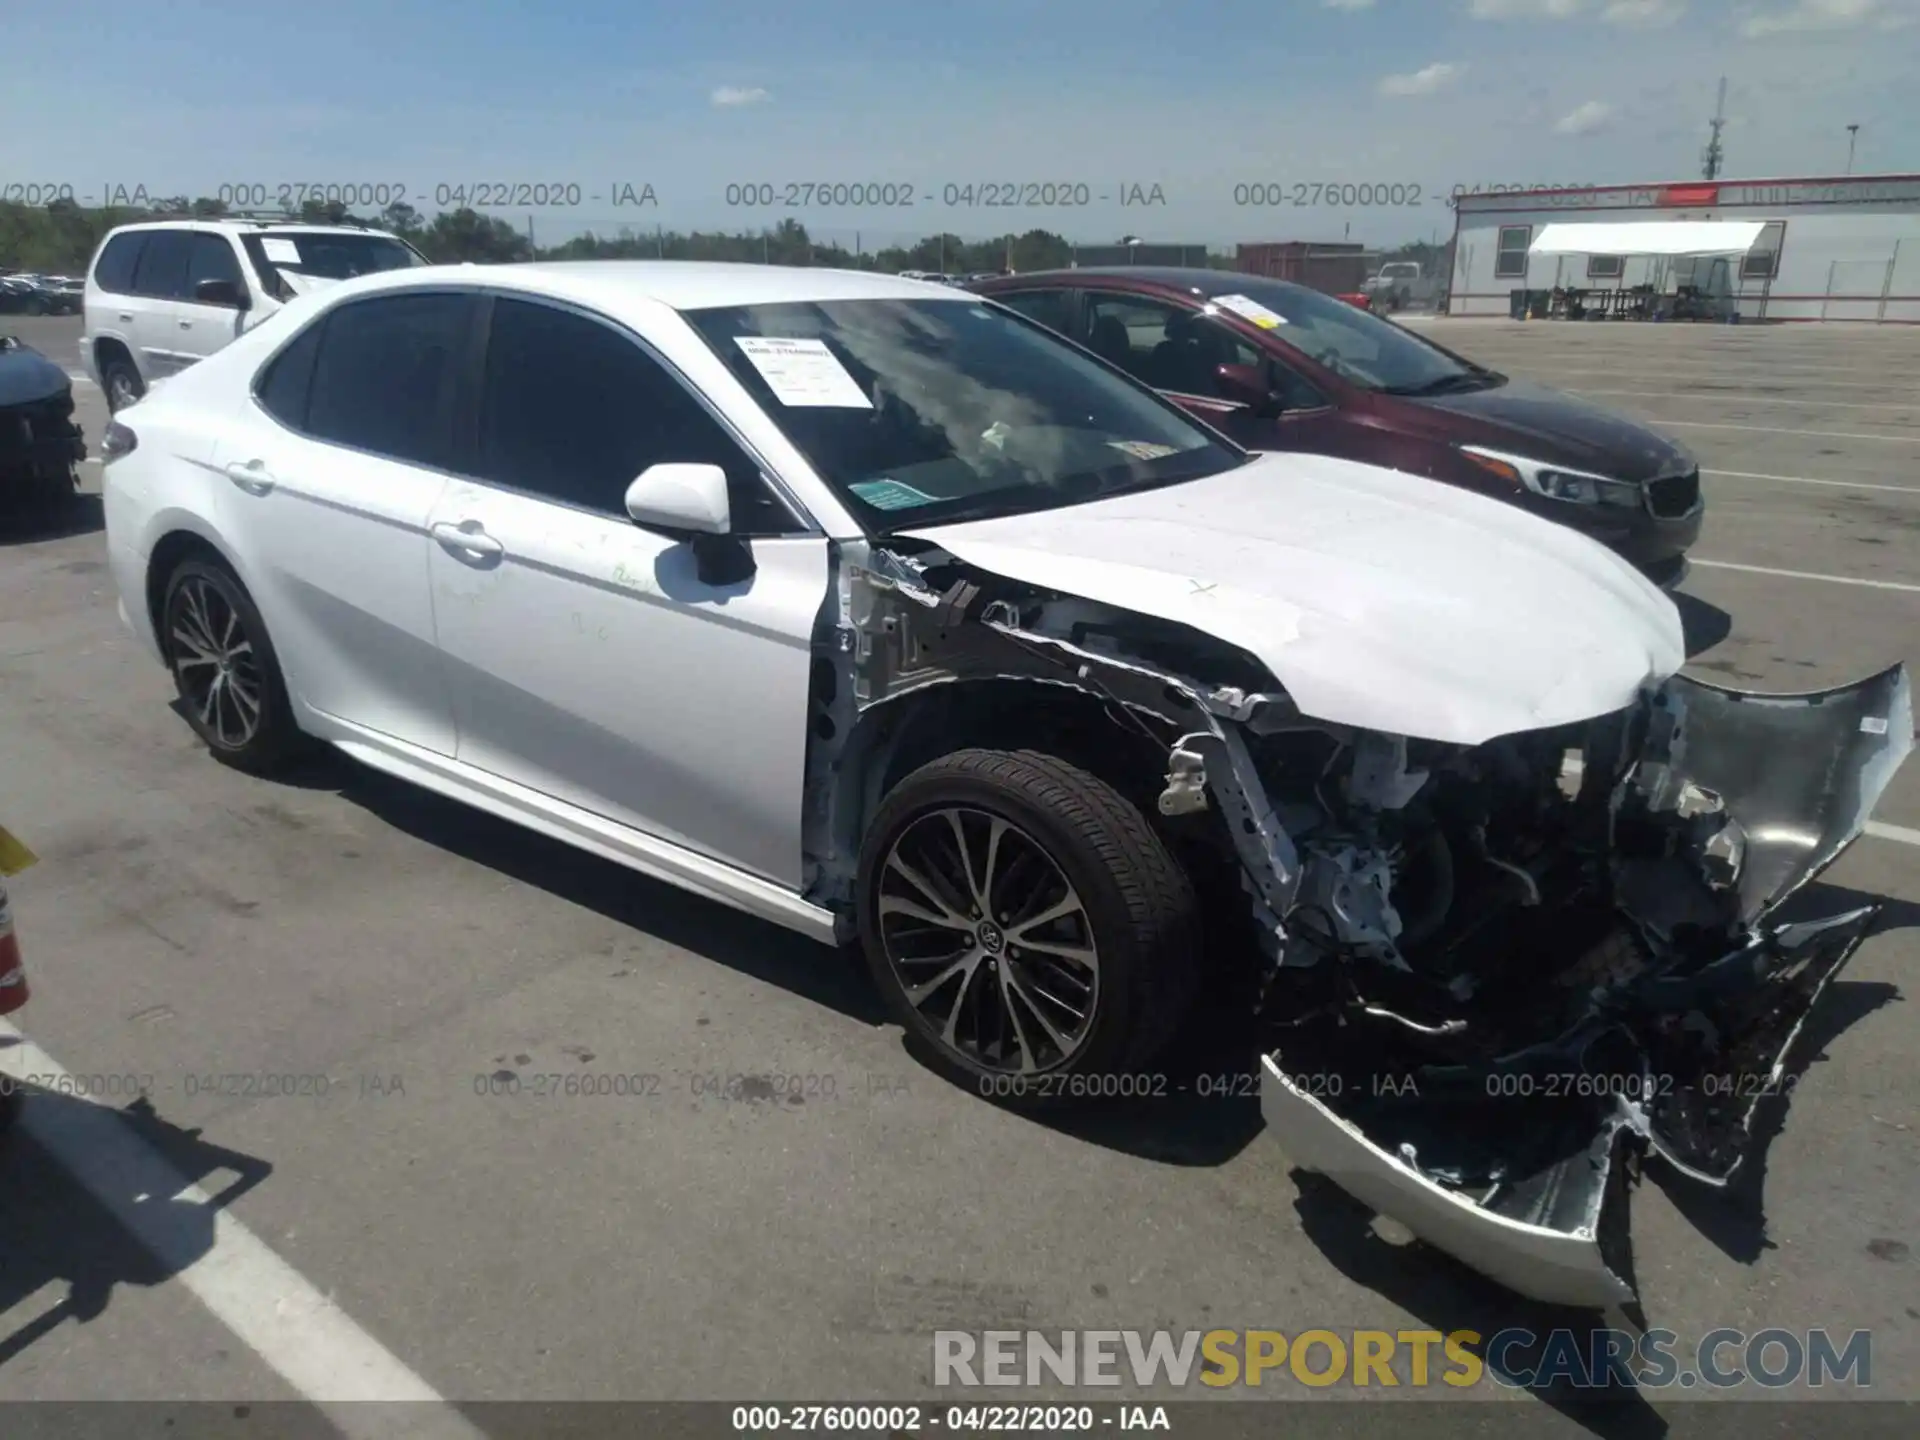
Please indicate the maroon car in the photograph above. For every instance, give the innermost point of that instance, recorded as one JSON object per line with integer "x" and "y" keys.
{"x": 1281, "y": 367}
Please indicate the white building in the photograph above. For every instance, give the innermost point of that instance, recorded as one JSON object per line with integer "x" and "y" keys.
{"x": 1828, "y": 249}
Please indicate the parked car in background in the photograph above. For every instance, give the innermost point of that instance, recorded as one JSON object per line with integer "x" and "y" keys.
{"x": 1281, "y": 367}
{"x": 902, "y": 620}
{"x": 162, "y": 295}
{"x": 1400, "y": 283}
{"x": 40, "y": 442}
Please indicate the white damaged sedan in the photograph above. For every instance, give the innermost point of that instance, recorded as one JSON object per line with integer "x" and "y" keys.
{"x": 876, "y": 610}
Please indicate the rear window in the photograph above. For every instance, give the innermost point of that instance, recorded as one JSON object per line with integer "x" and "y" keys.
{"x": 114, "y": 271}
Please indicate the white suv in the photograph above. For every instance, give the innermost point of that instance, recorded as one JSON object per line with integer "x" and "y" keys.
{"x": 162, "y": 295}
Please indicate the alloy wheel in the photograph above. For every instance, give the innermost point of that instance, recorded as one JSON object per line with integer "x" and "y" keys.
{"x": 214, "y": 663}
{"x": 120, "y": 392}
{"x": 991, "y": 943}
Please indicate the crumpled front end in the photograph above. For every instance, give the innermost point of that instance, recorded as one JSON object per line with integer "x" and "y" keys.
{"x": 1494, "y": 974}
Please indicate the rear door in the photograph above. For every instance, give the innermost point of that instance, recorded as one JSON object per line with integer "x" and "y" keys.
{"x": 333, "y": 472}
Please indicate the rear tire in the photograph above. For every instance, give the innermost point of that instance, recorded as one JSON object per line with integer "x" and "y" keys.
{"x": 995, "y": 995}
{"x": 225, "y": 669}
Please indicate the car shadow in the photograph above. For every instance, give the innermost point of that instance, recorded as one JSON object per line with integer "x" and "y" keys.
{"x": 754, "y": 947}
{"x": 1449, "y": 1297}
{"x": 59, "y": 1235}
{"x": 1199, "y": 1107}
{"x": 1734, "y": 1217}
{"x": 1702, "y": 626}
{"x": 33, "y": 525}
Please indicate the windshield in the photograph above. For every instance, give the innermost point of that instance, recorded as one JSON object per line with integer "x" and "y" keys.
{"x": 1359, "y": 347}
{"x": 324, "y": 256}
{"x": 920, "y": 411}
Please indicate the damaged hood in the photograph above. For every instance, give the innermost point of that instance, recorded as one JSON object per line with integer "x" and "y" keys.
{"x": 1379, "y": 600}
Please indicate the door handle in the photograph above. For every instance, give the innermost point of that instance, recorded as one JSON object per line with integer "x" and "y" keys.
{"x": 126, "y": 319}
{"x": 468, "y": 535}
{"x": 186, "y": 324}
{"x": 252, "y": 477}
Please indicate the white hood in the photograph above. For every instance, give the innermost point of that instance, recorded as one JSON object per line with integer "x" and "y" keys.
{"x": 1377, "y": 599}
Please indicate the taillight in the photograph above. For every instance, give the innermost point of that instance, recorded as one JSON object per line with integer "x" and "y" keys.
{"x": 117, "y": 440}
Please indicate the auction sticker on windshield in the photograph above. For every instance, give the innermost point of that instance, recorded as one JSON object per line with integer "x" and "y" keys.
{"x": 803, "y": 372}
{"x": 281, "y": 252}
{"x": 891, "y": 494}
{"x": 1143, "y": 449}
{"x": 1247, "y": 308}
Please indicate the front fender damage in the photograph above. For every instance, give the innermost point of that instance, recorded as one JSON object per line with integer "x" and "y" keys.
{"x": 1493, "y": 977}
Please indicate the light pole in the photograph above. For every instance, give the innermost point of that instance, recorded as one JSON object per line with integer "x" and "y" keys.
{"x": 1130, "y": 241}
{"x": 1853, "y": 134}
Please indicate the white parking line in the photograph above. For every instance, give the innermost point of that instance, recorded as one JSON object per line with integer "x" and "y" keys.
{"x": 1807, "y": 575}
{"x": 79, "y": 379}
{"x": 1808, "y": 480}
{"x": 1739, "y": 399}
{"x": 1781, "y": 430}
{"x": 307, "y": 1339}
{"x": 1883, "y": 831}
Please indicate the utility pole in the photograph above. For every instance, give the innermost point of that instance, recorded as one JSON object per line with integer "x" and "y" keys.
{"x": 1714, "y": 156}
{"x": 1853, "y": 134}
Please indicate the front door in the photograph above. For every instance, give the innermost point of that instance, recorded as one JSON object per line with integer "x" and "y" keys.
{"x": 588, "y": 660}
{"x": 1178, "y": 351}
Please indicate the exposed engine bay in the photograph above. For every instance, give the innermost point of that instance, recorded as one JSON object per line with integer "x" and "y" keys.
{"x": 1488, "y": 972}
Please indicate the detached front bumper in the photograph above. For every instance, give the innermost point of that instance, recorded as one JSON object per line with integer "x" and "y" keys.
{"x": 1515, "y": 1166}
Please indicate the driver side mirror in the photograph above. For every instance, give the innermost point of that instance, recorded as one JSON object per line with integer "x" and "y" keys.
{"x": 688, "y": 503}
{"x": 1249, "y": 385}
{"x": 220, "y": 292}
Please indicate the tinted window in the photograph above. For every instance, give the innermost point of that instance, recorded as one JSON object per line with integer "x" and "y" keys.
{"x": 384, "y": 378}
{"x": 162, "y": 270}
{"x": 211, "y": 257}
{"x": 288, "y": 379}
{"x": 1173, "y": 348}
{"x": 924, "y": 410}
{"x": 115, "y": 271}
{"x": 573, "y": 410}
{"x": 1052, "y": 308}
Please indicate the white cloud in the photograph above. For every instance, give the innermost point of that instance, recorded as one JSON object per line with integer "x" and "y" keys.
{"x": 1423, "y": 82}
{"x": 1347, "y": 4}
{"x": 1525, "y": 9}
{"x": 1809, "y": 15}
{"x": 740, "y": 95}
{"x": 1643, "y": 14}
{"x": 1584, "y": 119}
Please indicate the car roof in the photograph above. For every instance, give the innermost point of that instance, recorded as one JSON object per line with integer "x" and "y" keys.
{"x": 677, "y": 284}
{"x": 1190, "y": 278}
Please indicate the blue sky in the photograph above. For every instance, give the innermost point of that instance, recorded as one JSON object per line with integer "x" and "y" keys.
{"x": 1195, "y": 97}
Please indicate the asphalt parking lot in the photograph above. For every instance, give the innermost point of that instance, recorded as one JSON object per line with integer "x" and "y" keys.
{"x": 188, "y": 924}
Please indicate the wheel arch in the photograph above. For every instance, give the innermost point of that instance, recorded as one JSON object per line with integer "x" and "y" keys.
{"x": 179, "y": 542}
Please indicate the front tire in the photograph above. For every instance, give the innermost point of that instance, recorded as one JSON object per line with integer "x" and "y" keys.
{"x": 225, "y": 669}
{"x": 122, "y": 384}
{"x": 1028, "y": 928}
